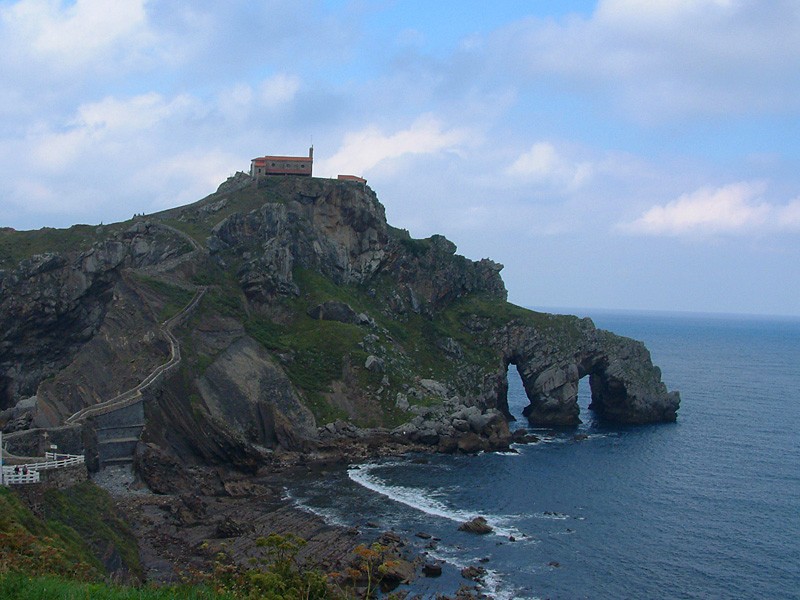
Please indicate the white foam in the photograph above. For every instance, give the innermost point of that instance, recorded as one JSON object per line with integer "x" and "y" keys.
{"x": 422, "y": 502}
{"x": 555, "y": 516}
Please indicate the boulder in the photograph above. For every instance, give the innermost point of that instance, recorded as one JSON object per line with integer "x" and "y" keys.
{"x": 374, "y": 364}
{"x": 228, "y": 528}
{"x": 396, "y": 572}
{"x": 471, "y": 443}
{"x": 477, "y": 525}
{"x": 473, "y": 573}
{"x": 333, "y": 310}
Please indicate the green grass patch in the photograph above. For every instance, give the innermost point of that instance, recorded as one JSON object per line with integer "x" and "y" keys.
{"x": 174, "y": 298}
{"x": 89, "y": 512}
{"x": 18, "y": 245}
{"x": 318, "y": 348}
{"x": 17, "y": 586}
{"x": 36, "y": 547}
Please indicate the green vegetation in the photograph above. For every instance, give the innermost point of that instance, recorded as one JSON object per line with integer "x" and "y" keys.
{"x": 18, "y": 245}
{"x": 57, "y": 558}
{"x": 78, "y": 526}
{"x": 275, "y": 574}
{"x": 174, "y": 298}
{"x": 87, "y": 510}
{"x": 17, "y": 586}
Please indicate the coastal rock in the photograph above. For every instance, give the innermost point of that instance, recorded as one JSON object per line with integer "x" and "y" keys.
{"x": 473, "y": 573}
{"x": 244, "y": 388}
{"x": 626, "y": 387}
{"x": 477, "y": 525}
{"x": 410, "y": 331}
{"x": 396, "y": 571}
{"x": 228, "y": 528}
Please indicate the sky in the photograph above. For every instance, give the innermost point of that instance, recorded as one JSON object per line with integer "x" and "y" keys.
{"x": 615, "y": 154}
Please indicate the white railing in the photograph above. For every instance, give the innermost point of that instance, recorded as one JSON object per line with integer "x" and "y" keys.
{"x": 20, "y": 478}
{"x": 29, "y": 472}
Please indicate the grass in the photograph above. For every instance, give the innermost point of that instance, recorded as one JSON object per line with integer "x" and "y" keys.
{"x": 88, "y": 512}
{"x": 18, "y": 245}
{"x": 174, "y": 298}
{"x": 17, "y": 586}
{"x": 75, "y": 532}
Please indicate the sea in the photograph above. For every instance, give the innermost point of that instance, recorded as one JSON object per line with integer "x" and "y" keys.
{"x": 707, "y": 507}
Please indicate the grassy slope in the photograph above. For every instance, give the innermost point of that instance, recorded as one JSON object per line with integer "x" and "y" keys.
{"x": 77, "y": 527}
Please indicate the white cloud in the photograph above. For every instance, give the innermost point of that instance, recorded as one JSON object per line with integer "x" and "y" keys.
{"x": 183, "y": 178}
{"x": 643, "y": 11}
{"x": 789, "y": 216}
{"x": 665, "y": 59}
{"x": 279, "y": 89}
{"x": 545, "y": 165}
{"x": 66, "y": 35}
{"x": 737, "y": 208}
{"x": 112, "y": 126}
{"x": 363, "y": 150}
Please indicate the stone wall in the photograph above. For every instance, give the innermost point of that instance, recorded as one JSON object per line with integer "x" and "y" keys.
{"x": 64, "y": 477}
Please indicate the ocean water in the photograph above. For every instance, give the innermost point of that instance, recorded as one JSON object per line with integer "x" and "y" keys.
{"x": 708, "y": 507}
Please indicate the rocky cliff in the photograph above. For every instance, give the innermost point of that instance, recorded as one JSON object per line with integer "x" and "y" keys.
{"x": 318, "y": 324}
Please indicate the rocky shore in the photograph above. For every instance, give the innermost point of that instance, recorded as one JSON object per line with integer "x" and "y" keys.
{"x": 195, "y": 514}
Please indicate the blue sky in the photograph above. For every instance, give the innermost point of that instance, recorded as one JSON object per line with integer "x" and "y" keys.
{"x": 631, "y": 154}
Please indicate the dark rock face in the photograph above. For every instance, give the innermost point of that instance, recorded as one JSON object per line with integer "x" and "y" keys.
{"x": 246, "y": 389}
{"x": 51, "y": 305}
{"x": 335, "y": 230}
{"x": 432, "y": 569}
{"x": 333, "y": 311}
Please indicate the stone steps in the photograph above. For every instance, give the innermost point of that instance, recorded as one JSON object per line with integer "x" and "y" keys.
{"x": 125, "y": 440}
{"x": 124, "y": 460}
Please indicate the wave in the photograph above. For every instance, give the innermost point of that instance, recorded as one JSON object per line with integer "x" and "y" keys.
{"x": 426, "y": 503}
{"x": 491, "y": 582}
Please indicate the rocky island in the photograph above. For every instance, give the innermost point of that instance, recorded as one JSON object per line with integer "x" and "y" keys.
{"x": 278, "y": 322}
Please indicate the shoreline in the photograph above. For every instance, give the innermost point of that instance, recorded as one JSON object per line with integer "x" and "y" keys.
{"x": 180, "y": 534}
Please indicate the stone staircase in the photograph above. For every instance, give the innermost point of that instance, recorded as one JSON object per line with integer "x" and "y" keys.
{"x": 118, "y": 432}
{"x": 119, "y": 421}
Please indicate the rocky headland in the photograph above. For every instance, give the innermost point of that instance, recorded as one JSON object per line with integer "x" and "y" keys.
{"x": 278, "y": 323}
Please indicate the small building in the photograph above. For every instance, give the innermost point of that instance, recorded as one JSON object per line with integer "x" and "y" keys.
{"x": 355, "y": 178}
{"x": 282, "y": 165}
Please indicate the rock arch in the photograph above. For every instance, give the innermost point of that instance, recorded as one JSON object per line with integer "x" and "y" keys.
{"x": 625, "y": 385}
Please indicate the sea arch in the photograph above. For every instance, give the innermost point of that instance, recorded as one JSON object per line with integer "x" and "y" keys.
{"x": 625, "y": 386}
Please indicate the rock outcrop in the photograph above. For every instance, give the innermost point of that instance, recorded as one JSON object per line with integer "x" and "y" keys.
{"x": 626, "y": 387}
{"x": 319, "y": 322}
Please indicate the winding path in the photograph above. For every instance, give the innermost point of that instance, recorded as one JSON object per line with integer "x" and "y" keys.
{"x": 134, "y": 394}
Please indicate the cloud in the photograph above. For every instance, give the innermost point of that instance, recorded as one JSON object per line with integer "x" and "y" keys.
{"x": 110, "y": 127}
{"x": 67, "y": 36}
{"x": 279, "y": 89}
{"x": 362, "y": 150}
{"x": 662, "y": 60}
{"x": 732, "y": 209}
{"x": 543, "y": 164}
